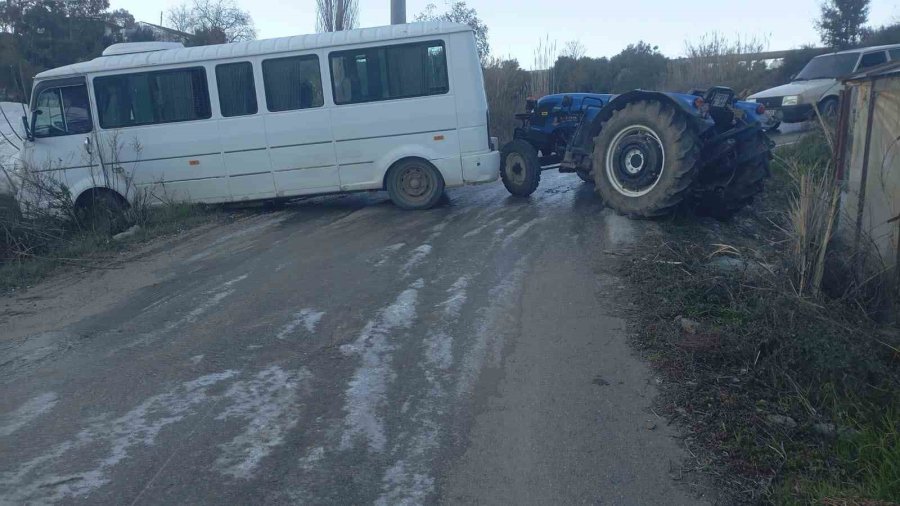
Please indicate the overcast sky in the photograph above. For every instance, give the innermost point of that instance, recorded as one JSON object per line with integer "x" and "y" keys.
{"x": 603, "y": 27}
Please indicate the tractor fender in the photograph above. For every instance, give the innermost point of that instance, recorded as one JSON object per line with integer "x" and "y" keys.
{"x": 591, "y": 129}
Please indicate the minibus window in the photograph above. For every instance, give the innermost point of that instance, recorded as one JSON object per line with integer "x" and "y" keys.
{"x": 292, "y": 83}
{"x": 237, "y": 91}
{"x": 146, "y": 98}
{"x": 64, "y": 111}
{"x": 389, "y": 72}
{"x": 895, "y": 54}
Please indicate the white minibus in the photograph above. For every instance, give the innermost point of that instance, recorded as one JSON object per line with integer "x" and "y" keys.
{"x": 399, "y": 108}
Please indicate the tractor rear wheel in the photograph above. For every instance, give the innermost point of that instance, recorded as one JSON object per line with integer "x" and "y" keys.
{"x": 646, "y": 159}
{"x": 585, "y": 176}
{"x": 724, "y": 202}
{"x": 520, "y": 168}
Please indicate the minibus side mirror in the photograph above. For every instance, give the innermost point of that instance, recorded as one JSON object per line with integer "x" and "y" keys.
{"x": 30, "y": 127}
{"x": 27, "y": 125}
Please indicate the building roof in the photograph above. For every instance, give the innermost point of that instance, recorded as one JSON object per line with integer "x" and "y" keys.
{"x": 256, "y": 47}
{"x": 171, "y": 31}
{"x": 886, "y": 69}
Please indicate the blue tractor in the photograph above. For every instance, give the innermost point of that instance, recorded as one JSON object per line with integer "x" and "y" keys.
{"x": 647, "y": 152}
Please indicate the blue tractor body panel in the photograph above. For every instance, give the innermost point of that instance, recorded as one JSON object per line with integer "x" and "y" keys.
{"x": 586, "y": 107}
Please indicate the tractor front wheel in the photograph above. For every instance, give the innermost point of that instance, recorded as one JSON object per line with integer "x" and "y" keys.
{"x": 645, "y": 159}
{"x": 520, "y": 168}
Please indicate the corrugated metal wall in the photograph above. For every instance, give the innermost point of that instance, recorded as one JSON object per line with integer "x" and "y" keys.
{"x": 871, "y": 203}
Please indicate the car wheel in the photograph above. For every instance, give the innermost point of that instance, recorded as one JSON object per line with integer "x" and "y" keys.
{"x": 415, "y": 184}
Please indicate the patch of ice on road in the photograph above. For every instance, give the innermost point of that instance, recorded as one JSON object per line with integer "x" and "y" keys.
{"x": 491, "y": 328}
{"x": 416, "y": 258}
{"x": 520, "y": 231}
{"x": 38, "y": 481}
{"x": 409, "y": 480}
{"x": 196, "y": 359}
{"x": 312, "y": 457}
{"x": 270, "y": 403}
{"x": 27, "y": 413}
{"x": 405, "y": 487}
{"x": 457, "y": 297}
{"x": 474, "y": 231}
{"x": 367, "y": 390}
{"x": 478, "y": 230}
{"x": 619, "y": 230}
{"x": 308, "y": 318}
{"x": 241, "y": 232}
{"x": 216, "y": 296}
{"x": 386, "y": 253}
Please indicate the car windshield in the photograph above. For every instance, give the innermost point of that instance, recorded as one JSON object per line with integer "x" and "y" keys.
{"x": 828, "y": 67}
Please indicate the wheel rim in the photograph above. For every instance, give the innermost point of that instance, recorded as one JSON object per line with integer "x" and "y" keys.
{"x": 515, "y": 168}
{"x": 635, "y": 161}
{"x": 416, "y": 183}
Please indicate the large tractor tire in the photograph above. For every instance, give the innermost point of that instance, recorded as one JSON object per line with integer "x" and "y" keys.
{"x": 520, "y": 168}
{"x": 646, "y": 159}
{"x": 585, "y": 176}
{"x": 747, "y": 182}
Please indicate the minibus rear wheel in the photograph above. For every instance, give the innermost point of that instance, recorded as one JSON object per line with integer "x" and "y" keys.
{"x": 414, "y": 184}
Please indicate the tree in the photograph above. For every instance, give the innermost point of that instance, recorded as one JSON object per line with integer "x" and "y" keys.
{"x": 121, "y": 18}
{"x": 584, "y": 75}
{"x": 41, "y": 34}
{"x": 638, "y": 66}
{"x": 881, "y": 36}
{"x": 212, "y": 22}
{"x": 336, "y": 15}
{"x": 842, "y": 21}
{"x": 574, "y": 49}
{"x": 461, "y": 13}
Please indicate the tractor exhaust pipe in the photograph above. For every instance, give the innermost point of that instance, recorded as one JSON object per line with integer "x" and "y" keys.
{"x": 398, "y": 12}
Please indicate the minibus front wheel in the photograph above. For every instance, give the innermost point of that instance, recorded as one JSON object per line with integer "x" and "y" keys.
{"x": 101, "y": 210}
{"x": 414, "y": 184}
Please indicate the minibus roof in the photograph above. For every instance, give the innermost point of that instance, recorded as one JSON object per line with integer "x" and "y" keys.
{"x": 255, "y": 48}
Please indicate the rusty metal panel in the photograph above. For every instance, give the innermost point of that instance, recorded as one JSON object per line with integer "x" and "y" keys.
{"x": 871, "y": 203}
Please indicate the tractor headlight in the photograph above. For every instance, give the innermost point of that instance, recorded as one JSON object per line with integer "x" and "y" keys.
{"x": 790, "y": 100}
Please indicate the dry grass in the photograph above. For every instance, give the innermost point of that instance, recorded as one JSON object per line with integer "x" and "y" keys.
{"x": 787, "y": 393}
{"x": 48, "y": 229}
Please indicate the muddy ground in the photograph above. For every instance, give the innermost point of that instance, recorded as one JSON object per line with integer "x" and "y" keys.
{"x": 344, "y": 351}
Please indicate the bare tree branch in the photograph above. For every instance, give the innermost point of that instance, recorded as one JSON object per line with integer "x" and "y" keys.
{"x": 336, "y": 15}
{"x": 213, "y": 21}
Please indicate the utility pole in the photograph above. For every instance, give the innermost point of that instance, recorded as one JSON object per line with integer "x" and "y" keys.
{"x": 398, "y": 12}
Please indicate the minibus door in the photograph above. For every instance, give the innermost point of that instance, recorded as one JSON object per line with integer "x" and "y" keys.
{"x": 62, "y": 130}
{"x": 298, "y": 127}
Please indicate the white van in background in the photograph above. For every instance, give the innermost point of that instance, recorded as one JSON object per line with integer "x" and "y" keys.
{"x": 399, "y": 108}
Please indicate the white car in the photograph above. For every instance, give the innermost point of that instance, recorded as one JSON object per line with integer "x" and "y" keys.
{"x": 818, "y": 83}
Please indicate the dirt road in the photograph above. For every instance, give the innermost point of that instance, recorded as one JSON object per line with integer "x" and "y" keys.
{"x": 343, "y": 351}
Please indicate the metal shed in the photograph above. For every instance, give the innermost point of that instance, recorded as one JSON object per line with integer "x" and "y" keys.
{"x": 868, "y": 161}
